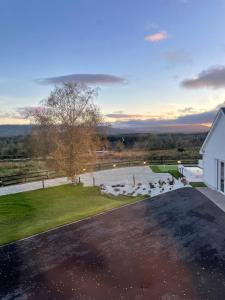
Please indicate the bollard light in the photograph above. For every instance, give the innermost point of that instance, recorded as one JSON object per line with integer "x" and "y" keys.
{"x": 144, "y": 162}
{"x": 114, "y": 165}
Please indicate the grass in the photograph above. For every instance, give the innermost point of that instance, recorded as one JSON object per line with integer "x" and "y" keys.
{"x": 197, "y": 184}
{"x": 171, "y": 169}
{"x": 163, "y": 168}
{"x": 28, "y": 213}
{"x": 175, "y": 173}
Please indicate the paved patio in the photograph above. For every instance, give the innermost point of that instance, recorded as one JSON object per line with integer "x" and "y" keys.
{"x": 169, "y": 247}
{"x": 214, "y": 196}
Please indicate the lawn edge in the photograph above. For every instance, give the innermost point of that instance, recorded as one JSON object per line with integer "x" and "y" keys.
{"x": 74, "y": 222}
{"x": 87, "y": 218}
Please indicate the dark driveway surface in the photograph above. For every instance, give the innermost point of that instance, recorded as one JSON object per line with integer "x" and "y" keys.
{"x": 170, "y": 247}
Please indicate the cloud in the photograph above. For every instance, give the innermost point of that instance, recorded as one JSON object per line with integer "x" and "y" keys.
{"x": 177, "y": 57}
{"x": 220, "y": 105}
{"x": 197, "y": 118}
{"x": 10, "y": 115}
{"x": 92, "y": 79}
{"x": 157, "y": 37}
{"x": 211, "y": 78}
{"x": 118, "y": 112}
{"x": 186, "y": 110}
{"x": 124, "y": 116}
{"x": 189, "y": 118}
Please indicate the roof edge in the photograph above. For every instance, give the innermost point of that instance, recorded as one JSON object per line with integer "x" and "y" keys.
{"x": 221, "y": 110}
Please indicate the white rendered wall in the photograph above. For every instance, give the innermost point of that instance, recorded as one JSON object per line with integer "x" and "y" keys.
{"x": 215, "y": 149}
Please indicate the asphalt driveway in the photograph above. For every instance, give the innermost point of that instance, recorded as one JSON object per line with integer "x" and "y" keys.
{"x": 169, "y": 247}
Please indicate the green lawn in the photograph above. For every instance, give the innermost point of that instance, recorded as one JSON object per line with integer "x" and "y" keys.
{"x": 197, "y": 184}
{"x": 27, "y": 213}
{"x": 163, "y": 168}
{"x": 171, "y": 169}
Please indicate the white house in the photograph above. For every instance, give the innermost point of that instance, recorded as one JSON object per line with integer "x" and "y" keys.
{"x": 213, "y": 151}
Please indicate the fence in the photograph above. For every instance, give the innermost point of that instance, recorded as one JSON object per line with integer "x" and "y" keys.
{"x": 23, "y": 178}
{"x": 157, "y": 161}
{"x": 43, "y": 175}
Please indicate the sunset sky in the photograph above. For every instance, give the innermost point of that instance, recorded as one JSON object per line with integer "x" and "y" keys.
{"x": 156, "y": 62}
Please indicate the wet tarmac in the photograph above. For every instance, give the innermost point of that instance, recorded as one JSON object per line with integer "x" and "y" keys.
{"x": 170, "y": 247}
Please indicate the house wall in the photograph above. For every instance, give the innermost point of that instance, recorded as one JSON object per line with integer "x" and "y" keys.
{"x": 215, "y": 149}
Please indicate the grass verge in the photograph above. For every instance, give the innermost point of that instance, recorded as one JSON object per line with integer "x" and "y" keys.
{"x": 175, "y": 173}
{"x": 28, "y": 213}
{"x": 163, "y": 168}
{"x": 197, "y": 184}
{"x": 171, "y": 169}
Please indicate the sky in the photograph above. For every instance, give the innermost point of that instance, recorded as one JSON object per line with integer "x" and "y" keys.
{"x": 156, "y": 62}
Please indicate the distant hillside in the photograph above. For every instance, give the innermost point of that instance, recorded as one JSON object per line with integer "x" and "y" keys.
{"x": 14, "y": 130}
{"x": 20, "y": 130}
{"x": 194, "y": 128}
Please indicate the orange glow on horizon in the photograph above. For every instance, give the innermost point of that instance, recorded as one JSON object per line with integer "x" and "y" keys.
{"x": 11, "y": 121}
{"x": 206, "y": 124}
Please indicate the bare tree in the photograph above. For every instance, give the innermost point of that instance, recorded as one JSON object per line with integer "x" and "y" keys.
{"x": 67, "y": 128}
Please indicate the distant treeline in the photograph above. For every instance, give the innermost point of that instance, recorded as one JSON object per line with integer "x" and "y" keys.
{"x": 156, "y": 141}
{"x": 14, "y": 147}
{"x": 20, "y": 146}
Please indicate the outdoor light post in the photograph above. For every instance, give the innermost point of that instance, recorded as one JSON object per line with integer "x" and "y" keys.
{"x": 179, "y": 167}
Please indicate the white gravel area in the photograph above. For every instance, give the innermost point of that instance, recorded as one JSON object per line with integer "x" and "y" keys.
{"x": 118, "y": 181}
{"x": 154, "y": 189}
{"x": 123, "y": 176}
{"x": 132, "y": 181}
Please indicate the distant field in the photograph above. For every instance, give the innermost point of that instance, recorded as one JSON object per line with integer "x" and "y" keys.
{"x": 16, "y": 167}
{"x": 8, "y": 172}
{"x": 24, "y": 214}
{"x": 12, "y": 166}
{"x": 17, "y": 171}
